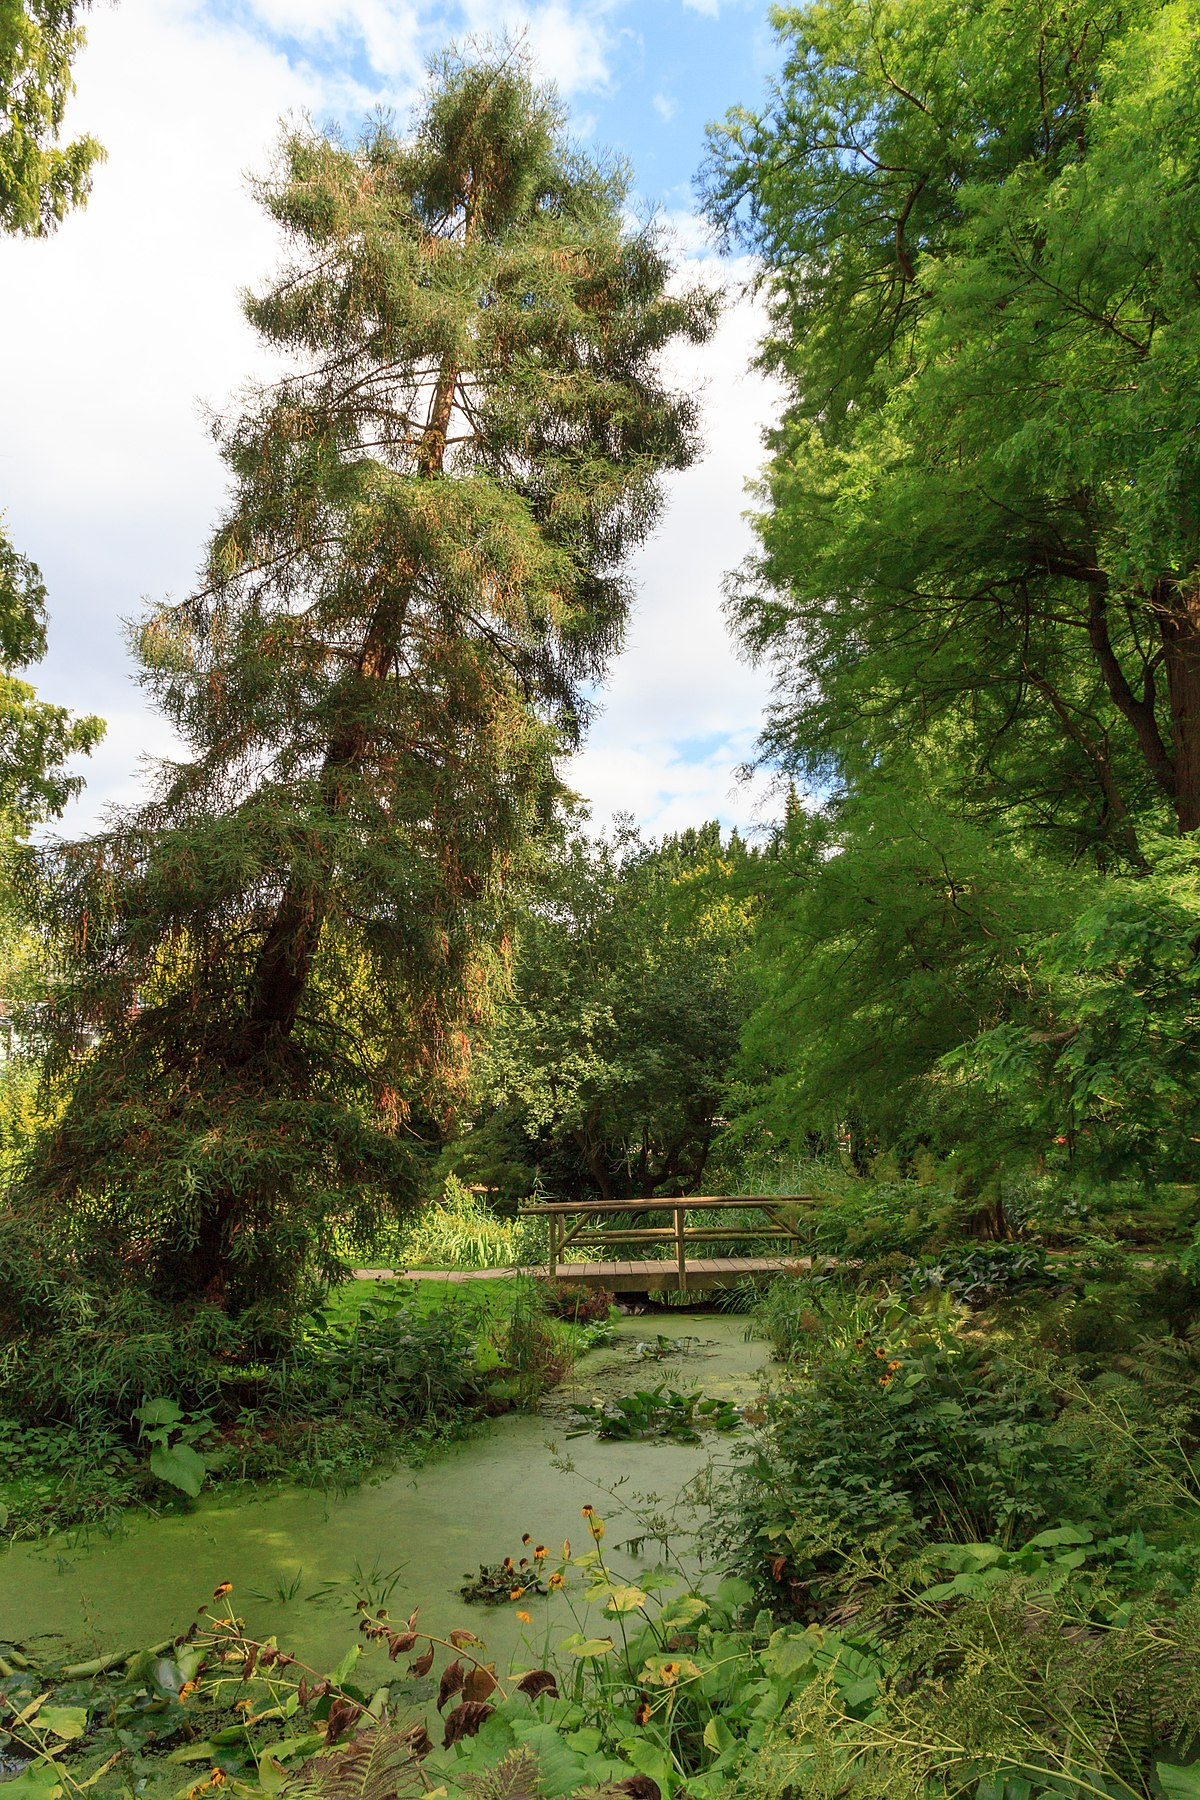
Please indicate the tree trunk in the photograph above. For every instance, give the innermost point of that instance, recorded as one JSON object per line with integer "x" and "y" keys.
{"x": 293, "y": 937}
{"x": 1181, "y": 653}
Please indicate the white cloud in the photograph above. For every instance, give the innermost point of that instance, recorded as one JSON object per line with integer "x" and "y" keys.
{"x": 111, "y": 331}
{"x": 711, "y": 9}
{"x": 572, "y": 46}
{"x": 389, "y": 32}
{"x": 680, "y": 709}
{"x": 665, "y": 107}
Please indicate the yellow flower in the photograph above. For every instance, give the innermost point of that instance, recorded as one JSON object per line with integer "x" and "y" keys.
{"x": 669, "y": 1674}
{"x": 540, "y": 1553}
{"x": 587, "y": 1511}
{"x": 596, "y": 1527}
{"x": 896, "y": 1364}
{"x": 219, "y": 1592}
{"x": 525, "y": 1618}
{"x": 555, "y": 1581}
{"x": 517, "y": 1594}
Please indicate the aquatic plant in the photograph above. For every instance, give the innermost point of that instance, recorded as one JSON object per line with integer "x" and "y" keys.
{"x": 660, "y": 1412}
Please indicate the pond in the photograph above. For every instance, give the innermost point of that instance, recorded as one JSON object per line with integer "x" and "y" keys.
{"x": 298, "y": 1559}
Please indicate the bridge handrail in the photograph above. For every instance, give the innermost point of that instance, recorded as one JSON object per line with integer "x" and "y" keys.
{"x": 686, "y": 1202}
{"x": 557, "y": 1212}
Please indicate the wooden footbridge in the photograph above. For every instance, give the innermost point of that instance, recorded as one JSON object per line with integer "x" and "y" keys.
{"x": 601, "y": 1227}
{"x": 606, "y": 1225}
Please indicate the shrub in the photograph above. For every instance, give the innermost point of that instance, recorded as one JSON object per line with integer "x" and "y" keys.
{"x": 894, "y": 1427}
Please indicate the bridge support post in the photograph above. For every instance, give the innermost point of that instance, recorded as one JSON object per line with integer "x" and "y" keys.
{"x": 681, "y": 1247}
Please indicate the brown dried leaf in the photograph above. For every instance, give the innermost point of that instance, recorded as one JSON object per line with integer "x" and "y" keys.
{"x": 465, "y": 1721}
{"x": 342, "y": 1715}
{"x": 458, "y": 1637}
{"x": 421, "y": 1665}
{"x": 480, "y": 1683}
{"x": 452, "y": 1681}
{"x": 417, "y": 1740}
{"x": 537, "y": 1683}
{"x": 400, "y": 1644}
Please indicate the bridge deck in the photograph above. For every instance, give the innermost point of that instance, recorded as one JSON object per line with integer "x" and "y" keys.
{"x": 621, "y": 1277}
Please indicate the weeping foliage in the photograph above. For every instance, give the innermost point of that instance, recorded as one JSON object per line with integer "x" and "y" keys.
{"x": 978, "y": 578}
{"x": 285, "y": 949}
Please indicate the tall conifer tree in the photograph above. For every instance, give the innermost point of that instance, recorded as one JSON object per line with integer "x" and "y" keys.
{"x": 417, "y": 577}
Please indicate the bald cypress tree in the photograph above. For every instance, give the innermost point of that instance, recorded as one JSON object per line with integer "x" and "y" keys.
{"x": 418, "y": 575}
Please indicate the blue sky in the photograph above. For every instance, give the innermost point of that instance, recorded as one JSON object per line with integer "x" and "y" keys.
{"x": 116, "y": 335}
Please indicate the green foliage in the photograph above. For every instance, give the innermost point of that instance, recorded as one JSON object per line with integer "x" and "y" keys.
{"x": 606, "y": 1068}
{"x": 893, "y": 1427}
{"x": 173, "y": 1436}
{"x": 976, "y": 227}
{"x": 976, "y": 581}
{"x": 1010, "y": 1681}
{"x": 1062, "y": 1664}
{"x": 39, "y": 182}
{"x": 659, "y": 1412}
{"x": 1109, "y": 1069}
{"x": 98, "y": 1375}
{"x": 36, "y": 739}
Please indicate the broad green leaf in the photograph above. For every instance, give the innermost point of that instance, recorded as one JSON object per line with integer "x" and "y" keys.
{"x": 717, "y": 1735}
{"x": 180, "y": 1466}
{"x": 625, "y": 1599}
{"x": 585, "y": 1647}
{"x": 347, "y": 1665}
{"x": 1062, "y": 1534}
{"x": 65, "y": 1722}
{"x": 734, "y": 1593}
{"x": 684, "y": 1611}
{"x": 159, "y": 1412}
{"x": 789, "y": 1654}
{"x": 1179, "y": 1784}
{"x": 40, "y": 1781}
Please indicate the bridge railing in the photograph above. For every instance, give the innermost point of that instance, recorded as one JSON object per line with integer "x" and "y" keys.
{"x": 588, "y": 1224}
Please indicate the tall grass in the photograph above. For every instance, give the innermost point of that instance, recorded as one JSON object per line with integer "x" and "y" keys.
{"x": 459, "y": 1230}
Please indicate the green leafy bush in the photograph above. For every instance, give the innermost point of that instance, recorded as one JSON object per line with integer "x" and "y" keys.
{"x": 892, "y": 1426}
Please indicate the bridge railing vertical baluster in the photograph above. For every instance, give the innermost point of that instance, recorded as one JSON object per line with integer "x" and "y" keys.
{"x": 681, "y": 1247}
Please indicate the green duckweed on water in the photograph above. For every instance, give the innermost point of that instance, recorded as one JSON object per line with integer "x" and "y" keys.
{"x": 299, "y": 1559}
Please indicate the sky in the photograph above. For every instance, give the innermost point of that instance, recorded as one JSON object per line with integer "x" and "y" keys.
{"x": 121, "y": 334}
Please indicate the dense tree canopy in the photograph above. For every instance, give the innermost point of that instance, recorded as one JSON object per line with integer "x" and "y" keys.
{"x": 606, "y": 1068}
{"x": 979, "y": 571}
{"x": 419, "y": 571}
{"x": 980, "y": 239}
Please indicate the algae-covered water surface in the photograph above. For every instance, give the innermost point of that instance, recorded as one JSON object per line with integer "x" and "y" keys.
{"x": 298, "y": 1559}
